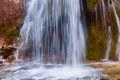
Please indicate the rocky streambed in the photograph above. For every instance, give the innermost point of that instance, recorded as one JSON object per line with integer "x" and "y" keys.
{"x": 7, "y": 54}
{"x": 110, "y": 68}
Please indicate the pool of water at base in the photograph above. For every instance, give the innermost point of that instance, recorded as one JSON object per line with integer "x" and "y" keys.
{"x": 36, "y": 71}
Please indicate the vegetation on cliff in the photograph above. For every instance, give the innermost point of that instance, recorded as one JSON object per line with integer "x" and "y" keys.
{"x": 100, "y": 16}
{"x": 91, "y": 4}
{"x": 11, "y": 16}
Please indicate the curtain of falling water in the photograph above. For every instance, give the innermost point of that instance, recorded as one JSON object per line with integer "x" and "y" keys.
{"x": 118, "y": 25}
{"x": 109, "y": 41}
{"x": 107, "y": 30}
{"x": 53, "y": 32}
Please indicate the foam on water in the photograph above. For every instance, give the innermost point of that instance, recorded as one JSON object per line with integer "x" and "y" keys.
{"x": 52, "y": 72}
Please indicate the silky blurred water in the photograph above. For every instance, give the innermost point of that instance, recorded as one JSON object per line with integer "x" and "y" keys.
{"x": 53, "y": 38}
{"x": 53, "y": 29}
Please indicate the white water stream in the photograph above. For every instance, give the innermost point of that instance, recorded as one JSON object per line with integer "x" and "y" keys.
{"x": 118, "y": 25}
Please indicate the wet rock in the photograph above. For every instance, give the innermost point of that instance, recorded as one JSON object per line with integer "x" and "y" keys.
{"x": 104, "y": 60}
{"x": 86, "y": 78}
{"x": 110, "y": 69}
{"x": 1, "y": 66}
{"x": 26, "y": 52}
{"x": 11, "y": 58}
{"x": 1, "y": 62}
{"x": 104, "y": 79}
{"x": 5, "y": 52}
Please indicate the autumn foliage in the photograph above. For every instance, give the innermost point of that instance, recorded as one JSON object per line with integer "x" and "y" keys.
{"x": 11, "y": 15}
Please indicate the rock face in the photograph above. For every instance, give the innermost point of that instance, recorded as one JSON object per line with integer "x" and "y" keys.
{"x": 7, "y": 53}
{"x": 1, "y": 41}
{"x": 99, "y": 17}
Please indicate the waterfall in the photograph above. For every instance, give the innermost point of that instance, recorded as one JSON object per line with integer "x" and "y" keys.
{"x": 104, "y": 12}
{"x": 53, "y": 38}
{"x": 53, "y": 32}
{"x": 108, "y": 30}
{"x": 118, "y": 25}
{"x": 109, "y": 41}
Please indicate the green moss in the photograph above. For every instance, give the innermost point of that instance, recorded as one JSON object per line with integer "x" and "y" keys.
{"x": 10, "y": 34}
{"x": 96, "y": 44}
{"x": 113, "y": 71}
{"x": 114, "y": 37}
{"x": 91, "y": 4}
{"x": 118, "y": 8}
{"x": 97, "y": 36}
{"x": 6, "y": 52}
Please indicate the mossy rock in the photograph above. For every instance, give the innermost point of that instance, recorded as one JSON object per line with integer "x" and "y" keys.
{"x": 11, "y": 58}
{"x": 91, "y": 4}
{"x": 6, "y": 52}
{"x": 10, "y": 34}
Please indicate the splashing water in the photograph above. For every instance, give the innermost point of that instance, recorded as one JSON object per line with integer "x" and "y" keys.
{"x": 109, "y": 41}
{"x": 118, "y": 25}
{"x": 35, "y": 71}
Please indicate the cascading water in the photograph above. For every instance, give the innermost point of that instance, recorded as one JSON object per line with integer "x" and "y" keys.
{"x": 53, "y": 30}
{"x": 53, "y": 37}
{"x": 109, "y": 41}
{"x": 118, "y": 25}
{"x": 105, "y": 5}
{"x": 104, "y": 12}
